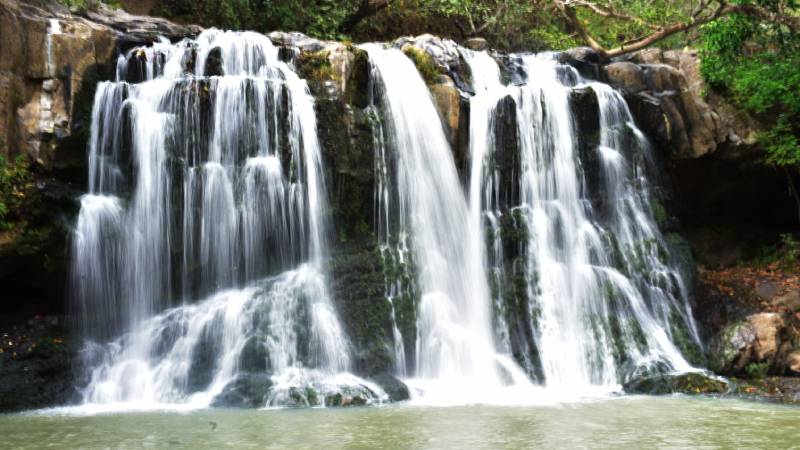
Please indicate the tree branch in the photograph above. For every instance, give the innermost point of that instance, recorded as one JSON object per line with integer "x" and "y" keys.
{"x": 698, "y": 18}
{"x": 608, "y": 12}
{"x": 366, "y": 9}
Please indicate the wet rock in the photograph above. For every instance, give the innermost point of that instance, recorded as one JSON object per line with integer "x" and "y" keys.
{"x": 686, "y": 383}
{"x": 298, "y": 40}
{"x": 394, "y": 388}
{"x": 136, "y": 68}
{"x": 759, "y": 339}
{"x": 447, "y": 101}
{"x": 772, "y": 389}
{"x": 507, "y": 151}
{"x": 247, "y": 390}
{"x": 214, "y": 63}
{"x": 585, "y": 60}
{"x": 585, "y": 108}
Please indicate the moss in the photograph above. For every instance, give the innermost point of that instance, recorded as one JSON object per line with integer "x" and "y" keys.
{"x": 688, "y": 383}
{"x": 683, "y": 339}
{"x": 316, "y": 67}
{"x": 659, "y": 213}
{"x": 311, "y": 397}
{"x": 333, "y": 400}
{"x": 426, "y": 66}
{"x": 358, "y": 287}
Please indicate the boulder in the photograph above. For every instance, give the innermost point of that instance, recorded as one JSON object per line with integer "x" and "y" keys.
{"x": 759, "y": 339}
{"x": 685, "y": 383}
{"x": 447, "y": 100}
{"x": 793, "y": 363}
{"x": 247, "y": 390}
{"x": 627, "y": 75}
{"x": 394, "y": 388}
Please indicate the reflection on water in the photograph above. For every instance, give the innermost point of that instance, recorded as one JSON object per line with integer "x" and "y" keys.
{"x": 630, "y": 422}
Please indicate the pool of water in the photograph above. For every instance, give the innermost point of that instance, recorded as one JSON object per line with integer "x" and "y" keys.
{"x": 626, "y": 422}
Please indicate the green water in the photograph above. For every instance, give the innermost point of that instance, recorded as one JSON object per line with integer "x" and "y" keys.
{"x": 633, "y": 422}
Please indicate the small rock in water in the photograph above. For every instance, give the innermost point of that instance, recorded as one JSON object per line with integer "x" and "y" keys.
{"x": 477, "y": 44}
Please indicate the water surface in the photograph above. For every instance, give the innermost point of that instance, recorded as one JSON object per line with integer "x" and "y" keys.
{"x": 629, "y": 422}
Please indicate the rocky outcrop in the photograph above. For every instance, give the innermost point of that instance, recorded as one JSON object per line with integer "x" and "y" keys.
{"x": 50, "y": 63}
{"x": 48, "y": 57}
{"x": 760, "y": 343}
{"x": 671, "y": 102}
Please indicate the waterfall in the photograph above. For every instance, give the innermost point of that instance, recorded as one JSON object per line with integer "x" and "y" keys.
{"x": 197, "y": 273}
{"x": 602, "y": 300}
{"x": 455, "y": 351}
{"x": 205, "y": 182}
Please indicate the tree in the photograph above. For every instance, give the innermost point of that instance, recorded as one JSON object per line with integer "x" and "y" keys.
{"x": 703, "y": 12}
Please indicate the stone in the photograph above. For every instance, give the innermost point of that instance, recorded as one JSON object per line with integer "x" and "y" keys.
{"x": 247, "y": 390}
{"x": 394, "y": 388}
{"x": 767, "y": 290}
{"x": 793, "y": 363}
{"x": 448, "y": 102}
{"x": 477, "y": 44}
{"x": 214, "y": 64}
{"x": 790, "y": 300}
{"x": 756, "y": 340}
{"x": 626, "y": 75}
{"x": 685, "y": 383}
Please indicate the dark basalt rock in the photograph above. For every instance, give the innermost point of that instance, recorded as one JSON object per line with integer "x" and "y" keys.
{"x": 585, "y": 60}
{"x": 585, "y": 109}
{"x": 506, "y": 158}
{"x": 213, "y": 66}
{"x": 394, "y": 388}
{"x": 248, "y": 390}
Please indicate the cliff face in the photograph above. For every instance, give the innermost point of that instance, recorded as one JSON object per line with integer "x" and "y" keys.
{"x": 51, "y": 61}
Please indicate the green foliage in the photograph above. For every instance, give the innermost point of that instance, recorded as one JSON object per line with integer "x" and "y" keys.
{"x": 755, "y": 63}
{"x": 425, "y": 65}
{"x": 318, "y": 18}
{"x": 88, "y": 5}
{"x": 611, "y": 32}
{"x": 316, "y": 66}
{"x": 757, "y": 370}
{"x": 784, "y": 254}
{"x": 14, "y": 185}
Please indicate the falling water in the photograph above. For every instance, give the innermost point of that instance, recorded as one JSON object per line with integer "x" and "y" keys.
{"x": 205, "y": 181}
{"x": 455, "y": 354}
{"x": 54, "y": 28}
{"x": 602, "y": 301}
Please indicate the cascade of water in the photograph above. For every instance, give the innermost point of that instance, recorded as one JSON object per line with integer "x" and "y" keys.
{"x": 201, "y": 184}
{"x": 601, "y": 296}
{"x": 455, "y": 354}
{"x": 54, "y": 28}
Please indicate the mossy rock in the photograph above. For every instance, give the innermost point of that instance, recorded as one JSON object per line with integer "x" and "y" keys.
{"x": 426, "y": 66}
{"x": 316, "y": 68}
{"x": 691, "y": 383}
